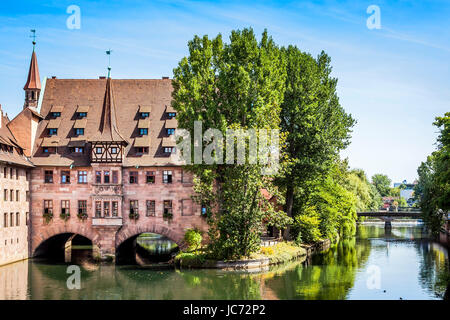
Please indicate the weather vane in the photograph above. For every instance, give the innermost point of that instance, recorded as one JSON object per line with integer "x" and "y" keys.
{"x": 33, "y": 31}
{"x": 108, "y": 52}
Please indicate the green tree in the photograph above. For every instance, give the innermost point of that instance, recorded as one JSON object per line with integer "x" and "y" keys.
{"x": 433, "y": 188}
{"x": 382, "y": 183}
{"x": 237, "y": 85}
{"x": 316, "y": 125}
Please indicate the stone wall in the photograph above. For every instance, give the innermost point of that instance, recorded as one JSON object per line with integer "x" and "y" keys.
{"x": 13, "y": 237}
{"x": 105, "y": 235}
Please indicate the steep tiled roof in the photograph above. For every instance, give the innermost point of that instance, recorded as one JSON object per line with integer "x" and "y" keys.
{"x": 113, "y": 115}
{"x": 7, "y": 138}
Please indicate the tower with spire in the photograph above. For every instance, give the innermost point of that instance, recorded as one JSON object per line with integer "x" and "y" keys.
{"x": 33, "y": 86}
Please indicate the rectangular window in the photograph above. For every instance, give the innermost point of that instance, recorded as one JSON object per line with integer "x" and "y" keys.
{"x": 65, "y": 207}
{"x": 17, "y": 219}
{"x": 169, "y": 149}
{"x": 5, "y": 195}
{"x": 106, "y": 208}
{"x": 48, "y": 206}
{"x": 48, "y": 176}
{"x": 150, "y": 177}
{"x": 114, "y": 150}
{"x": 98, "y": 177}
{"x": 144, "y": 115}
{"x": 11, "y": 173}
{"x": 52, "y": 132}
{"x": 133, "y": 177}
{"x": 27, "y": 175}
{"x": 17, "y": 195}
{"x": 81, "y": 115}
{"x": 143, "y": 131}
{"x": 167, "y": 207}
{"x": 11, "y": 219}
{"x": 11, "y": 195}
{"x": 5, "y": 172}
{"x": 78, "y": 150}
{"x": 5, "y": 220}
{"x": 17, "y": 174}
{"x": 186, "y": 177}
{"x": 105, "y": 176}
{"x": 27, "y": 196}
{"x": 82, "y": 176}
{"x": 82, "y": 207}
{"x": 141, "y": 150}
{"x": 134, "y": 206}
{"x": 65, "y": 177}
{"x": 170, "y": 131}
{"x": 98, "y": 209}
{"x": 99, "y": 150}
{"x": 79, "y": 131}
{"x": 115, "y": 208}
{"x": 56, "y": 114}
{"x": 115, "y": 176}
{"x": 171, "y": 115}
{"x": 27, "y": 218}
{"x": 150, "y": 208}
{"x": 167, "y": 176}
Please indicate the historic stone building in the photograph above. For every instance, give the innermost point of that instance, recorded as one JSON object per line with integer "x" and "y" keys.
{"x": 15, "y": 171}
{"x": 96, "y": 158}
{"x": 105, "y": 164}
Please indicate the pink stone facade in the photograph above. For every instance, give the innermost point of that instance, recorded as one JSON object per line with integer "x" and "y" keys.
{"x": 105, "y": 230}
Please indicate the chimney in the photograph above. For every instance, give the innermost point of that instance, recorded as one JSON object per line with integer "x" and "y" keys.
{"x": 165, "y": 78}
{"x": 53, "y": 77}
{"x": 102, "y": 77}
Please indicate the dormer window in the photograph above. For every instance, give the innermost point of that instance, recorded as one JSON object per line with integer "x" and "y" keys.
{"x": 170, "y": 131}
{"x": 78, "y": 149}
{"x": 144, "y": 115}
{"x": 48, "y": 150}
{"x": 114, "y": 150}
{"x": 52, "y": 131}
{"x": 56, "y": 114}
{"x": 79, "y": 131}
{"x": 169, "y": 149}
{"x": 171, "y": 115}
{"x": 141, "y": 150}
{"x": 81, "y": 115}
{"x": 143, "y": 131}
{"x": 98, "y": 150}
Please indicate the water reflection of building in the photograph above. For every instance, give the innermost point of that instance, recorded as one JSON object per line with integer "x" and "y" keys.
{"x": 14, "y": 281}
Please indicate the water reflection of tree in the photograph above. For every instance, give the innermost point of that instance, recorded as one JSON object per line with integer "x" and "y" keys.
{"x": 434, "y": 274}
{"x": 331, "y": 275}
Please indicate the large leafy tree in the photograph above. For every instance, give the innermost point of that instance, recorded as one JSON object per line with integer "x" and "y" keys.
{"x": 382, "y": 183}
{"x": 235, "y": 85}
{"x": 433, "y": 187}
{"x": 316, "y": 125}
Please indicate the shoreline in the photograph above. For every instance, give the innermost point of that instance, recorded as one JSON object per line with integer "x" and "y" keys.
{"x": 258, "y": 264}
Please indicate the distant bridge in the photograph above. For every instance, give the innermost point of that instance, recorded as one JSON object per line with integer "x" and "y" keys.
{"x": 387, "y": 216}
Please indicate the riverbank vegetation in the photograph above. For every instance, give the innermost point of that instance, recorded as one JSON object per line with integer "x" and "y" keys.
{"x": 251, "y": 84}
{"x": 433, "y": 188}
{"x": 278, "y": 253}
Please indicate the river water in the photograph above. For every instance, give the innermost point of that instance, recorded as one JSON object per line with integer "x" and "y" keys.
{"x": 375, "y": 264}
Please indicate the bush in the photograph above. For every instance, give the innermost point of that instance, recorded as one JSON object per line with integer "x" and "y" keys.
{"x": 308, "y": 228}
{"x": 268, "y": 251}
{"x": 193, "y": 238}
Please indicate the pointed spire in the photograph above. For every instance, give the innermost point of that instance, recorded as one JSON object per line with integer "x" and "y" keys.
{"x": 108, "y": 130}
{"x": 33, "y": 81}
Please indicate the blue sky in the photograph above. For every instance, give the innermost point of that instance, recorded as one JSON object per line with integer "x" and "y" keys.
{"x": 393, "y": 80}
